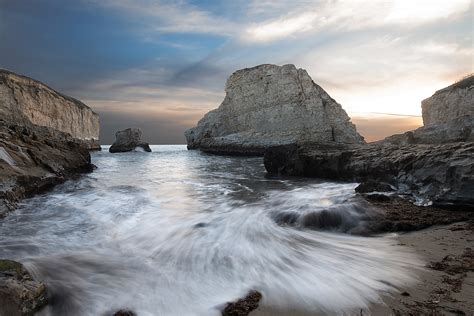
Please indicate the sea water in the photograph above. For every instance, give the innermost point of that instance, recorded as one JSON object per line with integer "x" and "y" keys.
{"x": 177, "y": 232}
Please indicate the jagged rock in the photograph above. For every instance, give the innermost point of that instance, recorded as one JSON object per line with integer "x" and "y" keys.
{"x": 20, "y": 294}
{"x": 450, "y": 103}
{"x": 243, "y": 306}
{"x": 124, "y": 312}
{"x": 128, "y": 140}
{"x": 438, "y": 174}
{"x": 24, "y": 100}
{"x": 271, "y": 105}
{"x": 35, "y": 158}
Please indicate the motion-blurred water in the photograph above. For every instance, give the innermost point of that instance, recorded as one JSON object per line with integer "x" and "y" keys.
{"x": 178, "y": 232}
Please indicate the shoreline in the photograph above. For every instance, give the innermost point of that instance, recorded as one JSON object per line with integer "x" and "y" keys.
{"x": 446, "y": 284}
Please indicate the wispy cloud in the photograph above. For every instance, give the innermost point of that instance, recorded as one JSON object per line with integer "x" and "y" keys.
{"x": 171, "y": 16}
{"x": 168, "y": 60}
{"x": 350, "y": 15}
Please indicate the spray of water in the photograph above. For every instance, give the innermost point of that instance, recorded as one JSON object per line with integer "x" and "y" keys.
{"x": 182, "y": 233}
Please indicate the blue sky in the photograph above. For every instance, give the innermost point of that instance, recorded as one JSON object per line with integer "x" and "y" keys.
{"x": 161, "y": 65}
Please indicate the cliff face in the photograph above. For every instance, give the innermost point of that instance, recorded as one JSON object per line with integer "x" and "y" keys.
{"x": 270, "y": 105}
{"x": 448, "y": 116}
{"x": 44, "y": 138}
{"x": 24, "y": 100}
{"x": 450, "y": 103}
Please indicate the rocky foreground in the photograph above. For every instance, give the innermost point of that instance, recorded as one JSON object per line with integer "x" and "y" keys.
{"x": 20, "y": 294}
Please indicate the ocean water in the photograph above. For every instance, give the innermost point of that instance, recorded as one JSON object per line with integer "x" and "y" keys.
{"x": 177, "y": 232}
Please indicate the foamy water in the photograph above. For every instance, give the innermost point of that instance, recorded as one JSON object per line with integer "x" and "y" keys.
{"x": 178, "y": 232}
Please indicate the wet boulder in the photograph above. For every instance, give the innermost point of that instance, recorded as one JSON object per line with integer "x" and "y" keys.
{"x": 129, "y": 139}
{"x": 20, "y": 294}
{"x": 243, "y": 306}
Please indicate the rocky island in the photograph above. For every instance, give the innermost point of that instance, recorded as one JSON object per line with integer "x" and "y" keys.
{"x": 270, "y": 105}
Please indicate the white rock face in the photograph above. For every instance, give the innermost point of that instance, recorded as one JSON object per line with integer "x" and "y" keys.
{"x": 270, "y": 105}
{"x": 448, "y": 117}
{"x": 450, "y": 103}
{"x": 23, "y": 99}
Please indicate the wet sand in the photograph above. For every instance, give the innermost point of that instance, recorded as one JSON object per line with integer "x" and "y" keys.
{"x": 446, "y": 285}
{"x": 446, "y": 282}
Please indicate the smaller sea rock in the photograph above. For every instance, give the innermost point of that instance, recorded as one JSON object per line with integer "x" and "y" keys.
{"x": 128, "y": 140}
{"x": 243, "y": 306}
{"x": 124, "y": 312}
{"x": 20, "y": 295}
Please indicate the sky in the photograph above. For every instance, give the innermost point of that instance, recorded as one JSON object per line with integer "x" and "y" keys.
{"x": 161, "y": 65}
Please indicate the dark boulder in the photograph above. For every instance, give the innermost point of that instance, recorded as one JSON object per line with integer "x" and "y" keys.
{"x": 20, "y": 294}
{"x": 129, "y": 139}
{"x": 124, "y": 312}
{"x": 243, "y": 306}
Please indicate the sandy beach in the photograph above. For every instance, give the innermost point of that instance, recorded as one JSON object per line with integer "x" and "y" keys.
{"x": 446, "y": 284}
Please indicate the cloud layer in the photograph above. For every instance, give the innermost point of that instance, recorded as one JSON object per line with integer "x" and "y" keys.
{"x": 167, "y": 61}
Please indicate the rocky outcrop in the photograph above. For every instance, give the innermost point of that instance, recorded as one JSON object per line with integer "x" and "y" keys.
{"x": 448, "y": 116}
{"x": 271, "y": 105}
{"x": 129, "y": 139}
{"x": 430, "y": 174}
{"x": 20, "y": 294}
{"x": 24, "y": 100}
{"x": 433, "y": 164}
{"x": 34, "y": 158}
{"x": 450, "y": 103}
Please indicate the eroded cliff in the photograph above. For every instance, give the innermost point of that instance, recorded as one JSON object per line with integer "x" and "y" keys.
{"x": 450, "y": 103}
{"x": 23, "y": 100}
